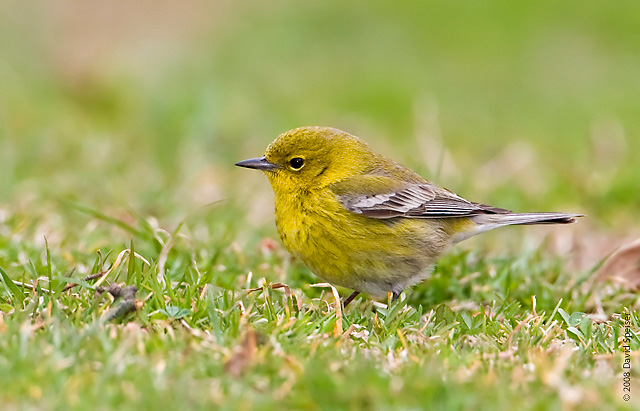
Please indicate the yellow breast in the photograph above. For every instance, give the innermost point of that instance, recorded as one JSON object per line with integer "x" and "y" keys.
{"x": 354, "y": 251}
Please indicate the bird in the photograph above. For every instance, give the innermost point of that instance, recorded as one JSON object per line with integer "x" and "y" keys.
{"x": 362, "y": 221}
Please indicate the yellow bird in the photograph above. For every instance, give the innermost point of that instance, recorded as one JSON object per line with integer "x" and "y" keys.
{"x": 362, "y": 221}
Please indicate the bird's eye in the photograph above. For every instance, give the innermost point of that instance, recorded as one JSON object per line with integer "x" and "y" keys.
{"x": 296, "y": 163}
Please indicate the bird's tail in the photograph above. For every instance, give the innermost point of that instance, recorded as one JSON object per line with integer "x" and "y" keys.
{"x": 486, "y": 222}
{"x": 499, "y": 220}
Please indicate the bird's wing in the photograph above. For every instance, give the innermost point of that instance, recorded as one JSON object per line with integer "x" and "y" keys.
{"x": 385, "y": 197}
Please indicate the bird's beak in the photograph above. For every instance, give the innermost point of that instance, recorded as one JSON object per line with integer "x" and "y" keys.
{"x": 259, "y": 163}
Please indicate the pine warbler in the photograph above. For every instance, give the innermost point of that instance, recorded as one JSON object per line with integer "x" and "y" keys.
{"x": 362, "y": 221}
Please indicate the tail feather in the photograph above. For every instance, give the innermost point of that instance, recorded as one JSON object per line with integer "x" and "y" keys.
{"x": 525, "y": 218}
{"x": 486, "y": 222}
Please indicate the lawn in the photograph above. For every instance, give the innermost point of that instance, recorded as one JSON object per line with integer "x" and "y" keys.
{"x": 119, "y": 127}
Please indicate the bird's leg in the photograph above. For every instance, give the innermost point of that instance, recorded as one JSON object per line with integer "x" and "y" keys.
{"x": 396, "y": 295}
{"x": 350, "y": 298}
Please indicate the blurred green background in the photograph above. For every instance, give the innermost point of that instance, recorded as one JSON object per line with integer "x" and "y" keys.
{"x": 120, "y": 120}
{"x": 145, "y": 106}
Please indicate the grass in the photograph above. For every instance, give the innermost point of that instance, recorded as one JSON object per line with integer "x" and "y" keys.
{"x": 116, "y": 153}
{"x": 497, "y": 332}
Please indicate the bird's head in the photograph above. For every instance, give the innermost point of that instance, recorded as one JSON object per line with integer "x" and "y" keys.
{"x": 307, "y": 158}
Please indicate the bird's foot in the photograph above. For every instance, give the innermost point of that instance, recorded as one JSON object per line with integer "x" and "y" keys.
{"x": 350, "y": 298}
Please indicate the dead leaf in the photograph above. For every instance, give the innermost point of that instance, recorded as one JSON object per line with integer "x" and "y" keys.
{"x": 243, "y": 355}
{"x": 623, "y": 266}
{"x": 287, "y": 293}
{"x": 268, "y": 246}
{"x": 337, "y": 328}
